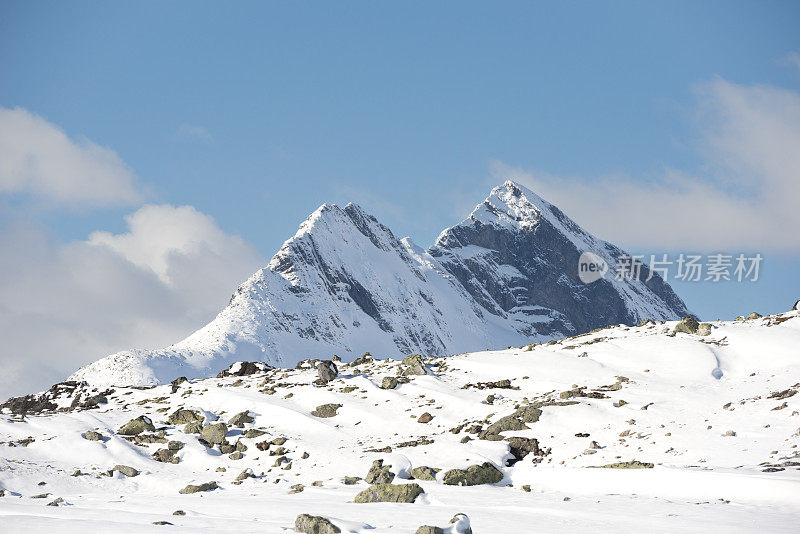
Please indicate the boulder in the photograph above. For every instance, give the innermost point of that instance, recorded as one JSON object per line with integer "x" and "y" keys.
{"x": 245, "y": 369}
{"x": 126, "y": 470}
{"x": 379, "y": 474}
{"x": 206, "y": 486}
{"x": 240, "y": 419}
{"x": 460, "y": 524}
{"x": 326, "y": 410}
{"x": 91, "y": 435}
{"x": 428, "y": 529}
{"x": 177, "y": 383}
{"x": 182, "y": 416}
{"x": 704, "y": 329}
{"x": 215, "y": 433}
{"x": 521, "y": 447}
{"x": 389, "y": 382}
{"x": 314, "y": 524}
{"x": 475, "y": 475}
{"x": 327, "y": 371}
{"x": 405, "y": 493}
{"x": 687, "y": 325}
{"x": 166, "y": 456}
{"x": 414, "y": 365}
{"x": 253, "y": 433}
{"x": 424, "y": 472}
{"x": 425, "y": 418}
{"x": 136, "y": 426}
{"x": 195, "y": 427}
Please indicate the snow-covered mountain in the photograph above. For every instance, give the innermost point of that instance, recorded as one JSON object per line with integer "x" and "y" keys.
{"x": 344, "y": 284}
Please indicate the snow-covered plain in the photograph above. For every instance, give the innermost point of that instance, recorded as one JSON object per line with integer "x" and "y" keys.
{"x": 717, "y": 415}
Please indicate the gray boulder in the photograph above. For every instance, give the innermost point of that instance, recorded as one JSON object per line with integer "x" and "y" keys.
{"x": 405, "y": 493}
{"x": 91, "y": 435}
{"x": 424, "y": 472}
{"x": 326, "y": 410}
{"x": 136, "y": 426}
{"x": 126, "y": 470}
{"x": 327, "y": 371}
{"x": 215, "y": 433}
{"x": 314, "y": 524}
{"x": 687, "y": 325}
{"x": 182, "y": 416}
{"x": 389, "y": 382}
{"x": 206, "y": 486}
{"x": 475, "y": 475}
{"x": 240, "y": 419}
{"x": 379, "y": 474}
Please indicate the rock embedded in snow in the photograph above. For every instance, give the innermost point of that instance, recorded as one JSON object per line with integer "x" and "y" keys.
{"x": 687, "y": 325}
{"x": 136, "y": 426}
{"x": 327, "y": 371}
{"x": 425, "y": 418}
{"x": 474, "y": 475}
{"x": 196, "y": 488}
{"x": 126, "y": 470}
{"x": 428, "y": 529}
{"x": 389, "y": 382}
{"x": 424, "y": 472}
{"x": 401, "y": 493}
{"x": 326, "y": 410}
{"x": 240, "y": 419}
{"x": 182, "y": 416}
{"x": 91, "y": 435}
{"x": 314, "y": 524}
{"x": 215, "y": 433}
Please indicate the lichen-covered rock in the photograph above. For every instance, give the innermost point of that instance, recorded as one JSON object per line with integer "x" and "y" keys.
{"x": 327, "y": 371}
{"x": 136, "y": 426}
{"x": 704, "y": 329}
{"x": 475, "y": 475}
{"x": 424, "y": 472}
{"x": 405, "y": 493}
{"x": 91, "y": 435}
{"x": 428, "y": 529}
{"x": 166, "y": 456}
{"x": 414, "y": 365}
{"x": 326, "y": 410}
{"x": 253, "y": 433}
{"x": 195, "y": 427}
{"x": 350, "y": 481}
{"x": 754, "y": 315}
{"x": 389, "y": 382}
{"x": 379, "y": 473}
{"x": 521, "y": 447}
{"x": 215, "y": 433}
{"x": 314, "y": 524}
{"x": 240, "y": 419}
{"x": 687, "y": 325}
{"x": 182, "y": 416}
{"x": 206, "y": 486}
{"x": 633, "y": 464}
{"x": 126, "y": 470}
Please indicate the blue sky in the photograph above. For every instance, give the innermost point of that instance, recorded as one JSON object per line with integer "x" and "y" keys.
{"x": 256, "y": 113}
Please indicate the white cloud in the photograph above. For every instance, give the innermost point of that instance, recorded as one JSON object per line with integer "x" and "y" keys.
{"x": 744, "y": 197}
{"x": 37, "y": 158}
{"x": 191, "y": 131}
{"x": 66, "y": 304}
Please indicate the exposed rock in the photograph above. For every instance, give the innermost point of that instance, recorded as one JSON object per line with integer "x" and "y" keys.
{"x": 461, "y": 524}
{"x": 424, "y": 472}
{"x": 633, "y": 464}
{"x": 704, "y": 329}
{"x": 166, "y": 455}
{"x": 473, "y": 476}
{"x": 182, "y": 416}
{"x": 91, "y": 435}
{"x": 687, "y": 325}
{"x": 56, "y": 502}
{"x": 215, "y": 433}
{"x": 245, "y": 369}
{"x": 244, "y": 475}
{"x": 178, "y": 512}
{"x": 240, "y": 419}
{"x": 236, "y": 455}
{"x": 425, "y": 418}
{"x": 754, "y": 315}
{"x": 206, "y": 486}
{"x": 405, "y": 493}
{"x": 314, "y": 524}
{"x": 379, "y": 474}
{"x": 177, "y": 383}
{"x": 428, "y": 529}
{"x": 327, "y": 371}
{"x": 521, "y": 447}
{"x": 414, "y": 365}
{"x": 253, "y": 433}
{"x": 326, "y": 410}
{"x": 126, "y": 470}
{"x": 389, "y": 382}
{"x": 195, "y": 427}
{"x": 136, "y": 426}
{"x": 350, "y": 481}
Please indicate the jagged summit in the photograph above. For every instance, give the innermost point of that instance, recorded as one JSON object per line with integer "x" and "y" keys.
{"x": 345, "y": 284}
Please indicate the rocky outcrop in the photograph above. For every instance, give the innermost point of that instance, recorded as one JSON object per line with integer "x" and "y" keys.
{"x": 405, "y": 493}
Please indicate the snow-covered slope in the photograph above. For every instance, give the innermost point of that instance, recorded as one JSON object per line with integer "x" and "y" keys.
{"x": 344, "y": 284}
{"x": 712, "y": 420}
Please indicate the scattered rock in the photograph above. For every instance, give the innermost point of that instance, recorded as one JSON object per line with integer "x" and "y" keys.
{"x": 428, "y": 529}
{"x": 350, "y": 481}
{"x": 633, "y": 464}
{"x": 244, "y": 475}
{"x": 326, "y": 410}
{"x": 389, "y": 382}
{"x": 687, "y": 325}
{"x": 236, "y": 455}
{"x": 126, "y": 470}
{"x": 379, "y": 474}
{"x": 182, "y": 416}
{"x": 473, "y": 476}
{"x": 56, "y": 502}
{"x": 425, "y": 418}
{"x": 405, "y": 493}
{"x": 178, "y": 512}
{"x": 192, "y": 488}
{"x": 253, "y": 433}
{"x": 414, "y": 365}
{"x": 730, "y": 433}
{"x": 240, "y": 419}
{"x": 137, "y": 426}
{"x": 314, "y": 524}
{"x": 177, "y": 383}
{"x": 704, "y": 329}
{"x": 166, "y": 455}
{"x": 754, "y": 315}
{"x": 91, "y": 435}
{"x": 195, "y": 427}
{"x": 245, "y": 369}
{"x": 424, "y": 472}
{"x": 327, "y": 371}
{"x": 215, "y": 433}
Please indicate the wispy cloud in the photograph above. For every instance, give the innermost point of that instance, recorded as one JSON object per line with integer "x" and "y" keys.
{"x": 190, "y": 131}
{"x": 744, "y": 197}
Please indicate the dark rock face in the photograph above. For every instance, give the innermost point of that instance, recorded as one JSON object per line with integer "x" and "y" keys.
{"x": 327, "y": 371}
{"x": 82, "y": 398}
{"x": 244, "y": 369}
{"x": 545, "y": 276}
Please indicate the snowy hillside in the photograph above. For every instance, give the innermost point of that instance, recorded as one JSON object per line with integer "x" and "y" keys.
{"x": 345, "y": 284}
{"x": 697, "y": 431}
